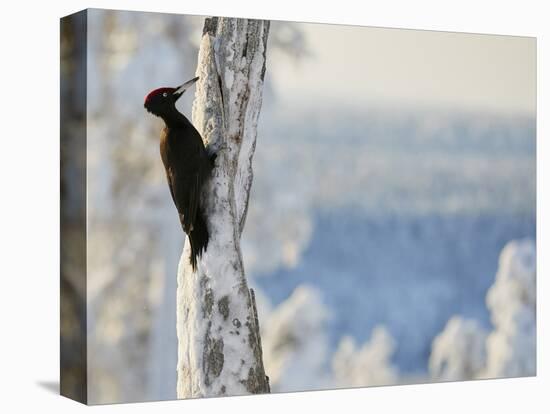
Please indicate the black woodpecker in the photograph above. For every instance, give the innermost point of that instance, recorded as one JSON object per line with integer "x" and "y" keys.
{"x": 187, "y": 163}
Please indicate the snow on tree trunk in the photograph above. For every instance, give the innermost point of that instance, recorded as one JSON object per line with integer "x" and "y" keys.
{"x": 219, "y": 348}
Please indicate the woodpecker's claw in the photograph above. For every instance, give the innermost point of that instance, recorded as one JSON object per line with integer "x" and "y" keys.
{"x": 213, "y": 158}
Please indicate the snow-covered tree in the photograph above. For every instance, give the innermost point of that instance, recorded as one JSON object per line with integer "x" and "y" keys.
{"x": 296, "y": 342}
{"x": 366, "y": 366}
{"x": 219, "y": 348}
{"x": 458, "y": 353}
{"x": 511, "y": 347}
{"x": 465, "y": 351}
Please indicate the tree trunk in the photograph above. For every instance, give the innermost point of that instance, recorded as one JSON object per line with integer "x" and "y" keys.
{"x": 219, "y": 347}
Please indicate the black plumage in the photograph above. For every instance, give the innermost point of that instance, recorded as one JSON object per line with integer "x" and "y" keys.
{"x": 187, "y": 164}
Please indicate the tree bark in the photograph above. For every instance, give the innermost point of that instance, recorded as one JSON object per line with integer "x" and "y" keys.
{"x": 219, "y": 347}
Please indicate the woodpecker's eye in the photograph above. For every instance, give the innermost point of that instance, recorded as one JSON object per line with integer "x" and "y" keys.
{"x": 165, "y": 94}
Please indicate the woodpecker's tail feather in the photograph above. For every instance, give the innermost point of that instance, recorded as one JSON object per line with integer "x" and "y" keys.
{"x": 198, "y": 237}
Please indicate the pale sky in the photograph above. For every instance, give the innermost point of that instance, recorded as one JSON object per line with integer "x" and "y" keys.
{"x": 467, "y": 71}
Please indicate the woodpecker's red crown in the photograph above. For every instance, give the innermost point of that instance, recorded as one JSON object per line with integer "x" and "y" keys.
{"x": 157, "y": 92}
{"x": 162, "y": 101}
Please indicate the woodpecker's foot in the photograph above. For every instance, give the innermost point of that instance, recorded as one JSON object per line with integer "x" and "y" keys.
{"x": 213, "y": 158}
{"x": 213, "y": 153}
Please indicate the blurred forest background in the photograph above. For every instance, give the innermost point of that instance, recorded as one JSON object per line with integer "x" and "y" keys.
{"x": 388, "y": 241}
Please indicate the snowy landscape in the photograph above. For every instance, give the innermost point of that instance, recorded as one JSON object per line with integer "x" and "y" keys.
{"x": 397, "y": 245}
{"x": 387, "y": 243}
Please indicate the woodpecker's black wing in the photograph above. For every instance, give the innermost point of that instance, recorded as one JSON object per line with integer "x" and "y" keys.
{"x": 187, "y": 167}
{"x": 185, "y": 187}
{"x": 184, "y": 193}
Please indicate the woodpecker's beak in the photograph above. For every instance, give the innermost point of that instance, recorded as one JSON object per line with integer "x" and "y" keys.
{"x": 182, "y": 88}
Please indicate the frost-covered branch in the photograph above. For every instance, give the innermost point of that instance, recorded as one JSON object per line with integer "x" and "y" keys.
{"x": 219, "y": 349}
